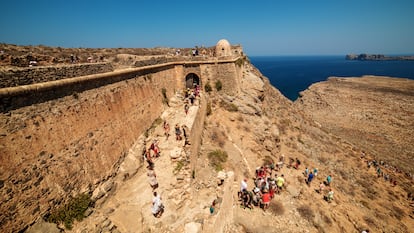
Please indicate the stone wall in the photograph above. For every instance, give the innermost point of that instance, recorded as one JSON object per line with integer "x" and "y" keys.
{"x": 228, "y": 74}
{"x": 52, "y": 150}
{"x": 29, "y": 75}
{"x": 65, "y": 137}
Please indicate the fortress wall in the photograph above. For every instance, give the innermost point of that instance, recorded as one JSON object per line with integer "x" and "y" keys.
{"x": 196, "y": 132}
{"x": 29, "y": 75}
{"x": 226, "y": 73}
{"x": 58, "y": 148}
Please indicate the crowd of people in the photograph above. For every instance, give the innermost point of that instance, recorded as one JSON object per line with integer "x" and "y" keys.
{"x": 267, "y": 185}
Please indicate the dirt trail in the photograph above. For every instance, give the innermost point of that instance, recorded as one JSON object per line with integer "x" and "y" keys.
{"x": 129, "y": 207}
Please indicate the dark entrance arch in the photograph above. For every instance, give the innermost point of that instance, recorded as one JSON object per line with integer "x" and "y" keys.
{"x": 191, "y": 80}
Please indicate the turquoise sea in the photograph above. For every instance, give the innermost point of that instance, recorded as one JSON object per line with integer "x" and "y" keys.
{"x": 293, "y": 74}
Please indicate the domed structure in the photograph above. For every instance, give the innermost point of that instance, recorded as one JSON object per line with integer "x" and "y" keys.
{"x": 223, "y": 48}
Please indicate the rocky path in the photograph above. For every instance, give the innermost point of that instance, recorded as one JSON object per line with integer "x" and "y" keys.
{"x": 128, "y": 209}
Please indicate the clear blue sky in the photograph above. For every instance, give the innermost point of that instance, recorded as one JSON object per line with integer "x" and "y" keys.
{"x": 262, "y": 27}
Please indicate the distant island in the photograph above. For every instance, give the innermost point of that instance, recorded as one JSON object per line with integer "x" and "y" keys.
{"x": 377, "y": 57}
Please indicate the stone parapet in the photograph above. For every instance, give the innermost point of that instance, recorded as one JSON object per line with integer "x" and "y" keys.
{"x": 30, "y": 75}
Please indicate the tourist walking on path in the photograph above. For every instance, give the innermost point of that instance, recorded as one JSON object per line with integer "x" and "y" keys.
{"x": 328, "y": 180}
{"x": 152, "y": 178}
{"x": 186, "y": 108}
{"x": 177, "y": 132}
{"x": 166, "y": 130}
{"x": 310, "y": 178}
{"x": 157, "y": 207}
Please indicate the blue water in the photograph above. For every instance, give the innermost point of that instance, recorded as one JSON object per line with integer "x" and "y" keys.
{"x": 293, "y": 74}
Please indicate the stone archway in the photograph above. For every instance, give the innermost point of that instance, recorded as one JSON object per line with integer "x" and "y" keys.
{"x": 192, "y": 80}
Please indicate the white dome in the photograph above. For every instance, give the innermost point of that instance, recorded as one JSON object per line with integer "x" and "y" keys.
{"x": 223, "y": 48}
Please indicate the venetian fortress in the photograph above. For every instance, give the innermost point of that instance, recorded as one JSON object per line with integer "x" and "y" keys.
{"x": 77, "y": 122}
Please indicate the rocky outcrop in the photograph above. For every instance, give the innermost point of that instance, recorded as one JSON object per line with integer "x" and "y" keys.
{"x": 377, "y": 57}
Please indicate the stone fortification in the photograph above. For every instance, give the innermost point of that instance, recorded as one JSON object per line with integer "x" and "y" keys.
{"x": 65, "y": 137}
{"x": 66, "y": 146}
{"x": 25, "y": 76}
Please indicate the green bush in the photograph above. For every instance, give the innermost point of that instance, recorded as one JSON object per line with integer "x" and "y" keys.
{"x": 164, "y": 96}
{"x": 229, "y": 106}
{"x": 74, "y": 209}
{"x": 217, "y": 158}
{"x": 209, "y": 111}
{"x": 208, "y": 87}
{"x": 219, "y": 85}
{"x": 240, "y": 62}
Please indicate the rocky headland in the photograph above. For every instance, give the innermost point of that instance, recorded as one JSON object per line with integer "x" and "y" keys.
{"x": 377, "y": 57}
{"x": 338, "y": 126}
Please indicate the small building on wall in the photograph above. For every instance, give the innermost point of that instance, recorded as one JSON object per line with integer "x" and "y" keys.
{"x": 225, "y": 49}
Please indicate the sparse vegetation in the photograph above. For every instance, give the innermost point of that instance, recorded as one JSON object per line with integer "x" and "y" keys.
{"x": 229, "y": 106}
{"x": 155, "y": 123}
{"x": 208, "y": 87}
{"x": 306, "y": 212}
{"x": 219, "y": 85}
{"x": 177, "y": 169}
{"x": 217, "y": 158}
{"x": 397, "y": 212}
{"x": 73, "y": 210}
{"x": 164, "y": 96}
{"x": 218, "y": 137}
{"x": 276, "y": 208}
{"x": 240, "y": 62}
{"x": 209, "y": 110}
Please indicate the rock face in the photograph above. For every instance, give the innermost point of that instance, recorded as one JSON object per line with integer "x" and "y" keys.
{"x": 375, "y": 114}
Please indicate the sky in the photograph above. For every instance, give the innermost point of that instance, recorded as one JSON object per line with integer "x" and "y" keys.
{"x": 262, "y": 27}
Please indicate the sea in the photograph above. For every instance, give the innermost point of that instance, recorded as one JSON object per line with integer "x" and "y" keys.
{"x": 293, "y": 74}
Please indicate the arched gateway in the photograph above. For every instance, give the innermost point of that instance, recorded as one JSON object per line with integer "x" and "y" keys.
{"x": 191, "y": 80}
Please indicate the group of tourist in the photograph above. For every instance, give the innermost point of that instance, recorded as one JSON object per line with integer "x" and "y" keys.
{"x": 267, "y": 185}
{"x": 153, "y": 151}
{"x": 383, "y": 169}
{"x": 150, "y": 154}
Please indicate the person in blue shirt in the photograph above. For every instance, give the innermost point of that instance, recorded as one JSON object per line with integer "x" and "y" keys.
{"x": 310, "y": 178}
{"x": 328, "y": 180}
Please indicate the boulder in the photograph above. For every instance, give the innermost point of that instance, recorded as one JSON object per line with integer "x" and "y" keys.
{"x": 192, "y": 227}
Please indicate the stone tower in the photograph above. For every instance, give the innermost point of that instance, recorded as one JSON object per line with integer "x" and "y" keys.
{"x": 223, "y": 48}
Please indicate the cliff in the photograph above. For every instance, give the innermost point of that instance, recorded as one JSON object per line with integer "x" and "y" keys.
{"x": 91, "y": 141}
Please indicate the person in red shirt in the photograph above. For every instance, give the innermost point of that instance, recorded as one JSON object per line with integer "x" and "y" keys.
{"x": 266, "y": 199}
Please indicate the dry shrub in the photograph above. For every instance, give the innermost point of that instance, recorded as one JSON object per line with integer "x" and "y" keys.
{"x": 326, "y": 219}
{"x": 397, "y": 212}
{"x": 246, "y": 128}
{"x": 240, "y": 118}
{"x": 370, "y": 221}
{"x": 231, "y": 107}
{"x": 276, "y": 208}
{"x": 218, "y": 137}
{"x": 306, "y": 212}
{"x": 217, "y": 158}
